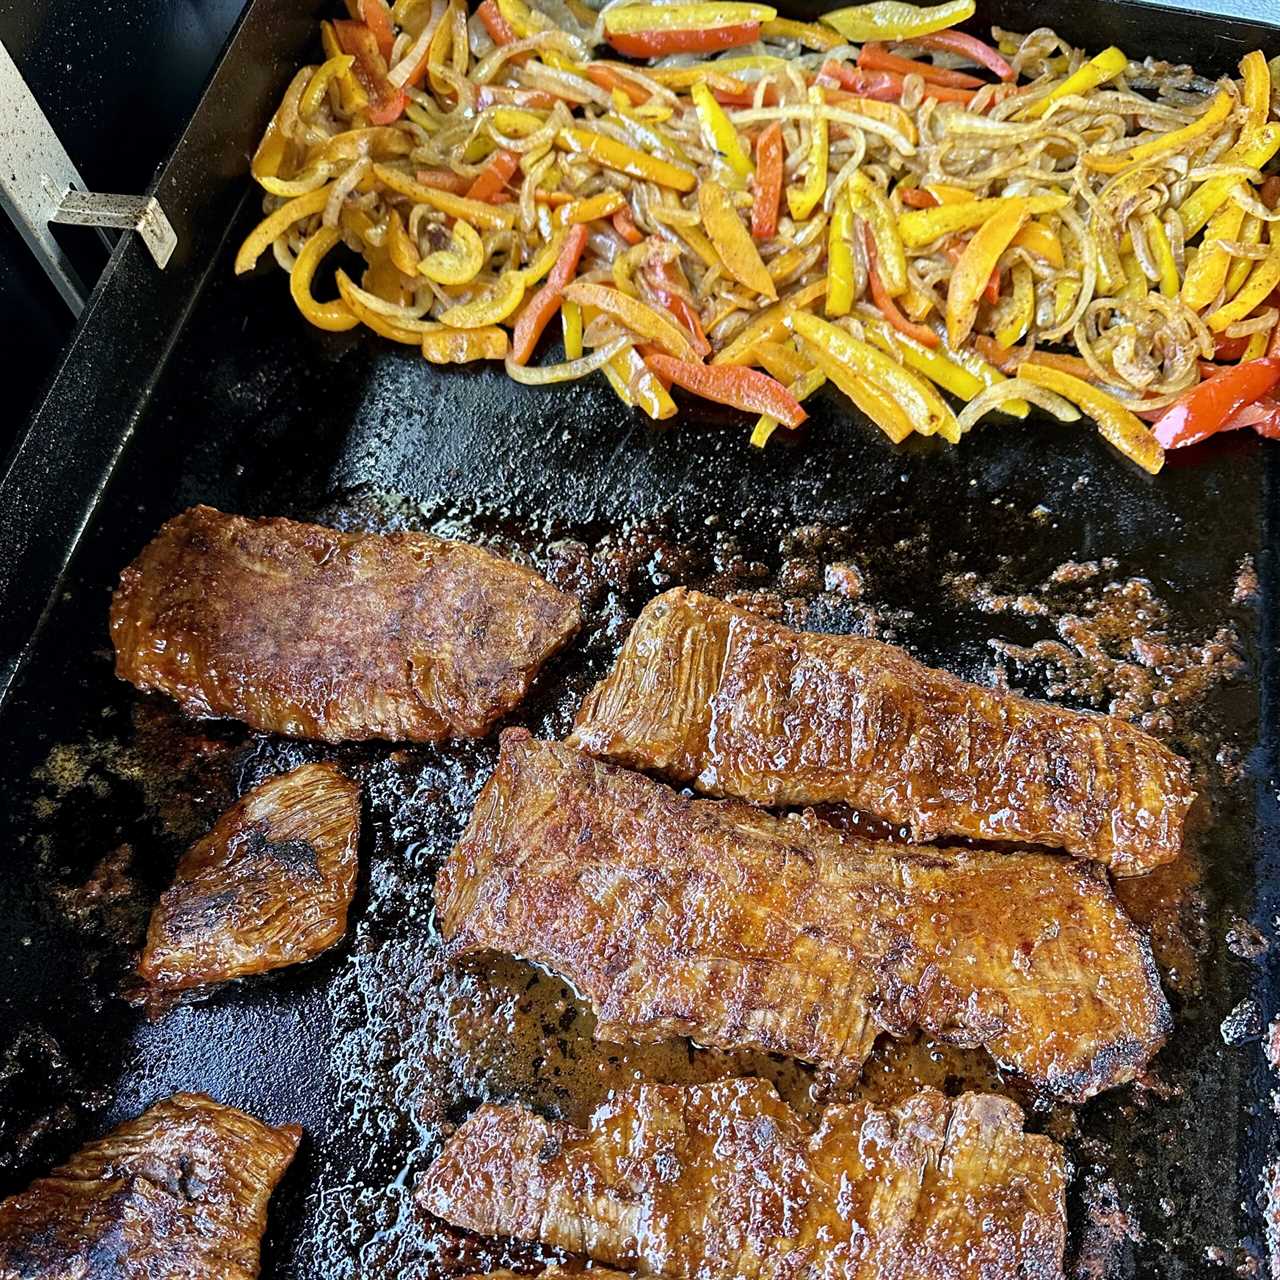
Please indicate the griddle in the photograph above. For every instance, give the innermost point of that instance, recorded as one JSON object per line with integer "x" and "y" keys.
{"x": 191, "y": 386}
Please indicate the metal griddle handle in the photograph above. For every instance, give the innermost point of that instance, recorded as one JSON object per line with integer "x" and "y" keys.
{"x": 40, "y": 186}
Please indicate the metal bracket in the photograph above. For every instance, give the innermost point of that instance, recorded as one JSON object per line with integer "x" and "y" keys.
{"x": 40, "y": 186}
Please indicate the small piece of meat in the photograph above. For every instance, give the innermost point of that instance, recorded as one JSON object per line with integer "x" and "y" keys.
{"x": 722, "y": 1182}
{"x": 181, "y": 1191}
{"x": 269, "y": 886}
{"x": 717, "y": 921}
{"x": 716, "y": 697}
{"x": 302, "y": 630}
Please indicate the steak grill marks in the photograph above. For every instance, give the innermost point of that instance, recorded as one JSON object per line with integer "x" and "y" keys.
{"x": 715, "y": 697}
{"x": 714, "y": 920}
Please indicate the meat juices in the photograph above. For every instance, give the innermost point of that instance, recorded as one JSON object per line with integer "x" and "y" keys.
{"x": 180, "y": 1191}
{"x": 722, "y": 1182}
{"x": 269, "y": 886}
{"x": 302, "y": 630}
{"x": 715, "y": 697}
{"x": 716, "y": 921}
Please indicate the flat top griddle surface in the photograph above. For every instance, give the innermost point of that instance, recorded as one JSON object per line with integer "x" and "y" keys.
{"x": 1154, "y": 595}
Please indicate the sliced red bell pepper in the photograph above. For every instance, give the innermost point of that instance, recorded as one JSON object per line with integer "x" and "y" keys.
{"x": 875, "y": 57}
{"x": 491, "y": 181}
{"x": 1263, "y": 415}
{"x": 625, "y": 225}
{"x": 501, "y": 95}
{"x": 1207, "y": 408}
{"x": 865, "y": 84}
{"x": 970, "y": 47}
{"x": 538, "y": 311}
{"x": 731, "y": 384}
{"x": 602, "y": 74}
{"x": 376, "y": 15}
{"x": 886, "y": 305}
{"x": 770, "y": 160}
{"x": 745, "y": 97}
{"x": 916, "y": 197}
{"x": 444, "y": 180}
{"x": 667, "y": 292}
{"x": 991, "y": 293}
{"x": 386, "y": 103}
{"x": 657, "y": 44}
{"x": 1225, "y": 348}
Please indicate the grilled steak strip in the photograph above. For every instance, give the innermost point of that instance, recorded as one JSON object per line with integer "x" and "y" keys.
{"x": 180, "y": 1191}
{"x": 717, "y": 921}
{"x": 302, "y": 630}
{"x": 269, "y": 886}
{"x": 722, "y": 1181}
{"x": 716, "y": 697}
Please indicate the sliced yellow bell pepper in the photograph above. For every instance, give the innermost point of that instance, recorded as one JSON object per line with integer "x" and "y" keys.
{"x": 919, "y": 227}
{"x": 378, "y": 141}
{"x": 1162, "y": 251}
{"x": 1255, "y": 91}
{"x": 968, "y": 359}
{"x": 523, "y": 20}
{"x": 1065, "y": 293}
{"x": 782, "y": 361}
{"x": 886, "y": 112}
{"x": 616, "y": 155}
{"x": 318, "y": 87}
{"x": 1106, "y": 66}
{"x": 637, "y": 316}
{"x": 1207, "y": 270}
{"x": 869, "y": 202}
{"x": 571, "y": 324}
{"x": 687, "y": 77}
{"x": 1253, "y": 151}
{"x": 461, "y": 346}
{"x": 1111, "y": 273}
{"x": 1176, "y": 140}
{"x": 479, "y": 213}
{"x": 588, "y": 209}
{"x": 849, "y": 362}
{"x": 628, "y": 20}
{"x": 492, "y": 308}
{"x": 895, "y": 20}
{"x": 840, "y": 275}
{"x": 307, "y": 180}
{"x": 1043, "y": 241}
{"x": 1256, "y": 347}
{"x": 334, "y": 316}
{"x": 976, "y": 263}
{"x": 401, "y": 248}
{"x": 770, "y": 325}
{"x": 272, "y": 227}
{"x": 809, "y": 34}
{"x": 1262, "y": 280}
{"x": 356, "y": 299}
{"x": 1022, "y": 304}
{"x": 1136, "y": 285}
{"x": 351, "y": 94}
{"x": 718, "y": 132}
{"x": 644, "y": 387}
{"x": 1118, "y": 426}
{"x": 461, "y": 262}
{"x": 802, "y": 200}
{"x": 732, "y": 240}
{"x": 1250, "y": 233}
{"x": 516, "y": 122}
{"x": 945, "y": 193}
{"x": 938, "y": 367}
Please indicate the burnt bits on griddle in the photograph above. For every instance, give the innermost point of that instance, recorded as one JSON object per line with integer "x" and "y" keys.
{"x": 269, "y": 886}
{"x": 717, "y": 921}
{"x": 307, "y": 631}
{"x": 717, "y": 1181}
{"x": 719, "y": 698}
{"x": 180, "y": 1191}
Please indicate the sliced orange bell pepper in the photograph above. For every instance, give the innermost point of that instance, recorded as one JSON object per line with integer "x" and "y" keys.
{"x": 769, "y": 325}
{"x": 734, "y": 385}
{"x": 875, "y": 57}
{"x": 491, "y": 182}
{"x": 461, "y": 346}
{"x": 884, "y": 300}
{"x": 537, "y": 312}
{"x": 657, "y": 44}
{"x": 768, "y": 184}
{"x": 732, "y": 240}
{"x": 976, "y": 264}
{"x": 618, "y": 156}
{"x": 624, "y": 224}
{"x": 444, "y": 180}
{"x": 386, "y": 103}
{"x": 637, "y": 316}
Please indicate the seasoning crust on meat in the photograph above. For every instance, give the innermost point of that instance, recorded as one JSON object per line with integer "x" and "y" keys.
{"x": 722, "y": 1182}
{"x": 269, "y": 886}
{"x": 180, "y": 1191}
{"x": 716, "y": 921}
{"x": 716, "y": 697}
{"x": 302, "y": 630}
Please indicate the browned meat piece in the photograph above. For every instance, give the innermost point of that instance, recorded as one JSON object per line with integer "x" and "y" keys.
{"x": 269, "y": 886}
{"x": 180, "y": 1191}
{"x": 717, "y": 921}
{"x": 298, "y": 629}
{"x": 721, "y": 699}
{"x": 722, "y": 1180}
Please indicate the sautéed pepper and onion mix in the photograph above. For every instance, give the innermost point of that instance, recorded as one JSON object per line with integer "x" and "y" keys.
{"x": 712, "y": 197}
